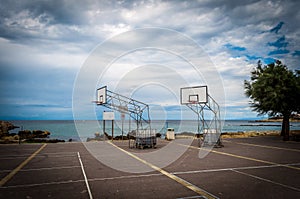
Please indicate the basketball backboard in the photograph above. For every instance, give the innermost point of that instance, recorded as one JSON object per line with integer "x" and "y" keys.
{"x": 193, "y": 95}
{"x": 101, "y": 95}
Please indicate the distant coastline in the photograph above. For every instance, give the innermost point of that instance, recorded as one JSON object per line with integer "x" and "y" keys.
{"x": 67, "y": 129}
{"x": 277, "y": 120}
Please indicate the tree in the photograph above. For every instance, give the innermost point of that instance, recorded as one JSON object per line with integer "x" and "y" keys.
{"x": 274, "y": 89}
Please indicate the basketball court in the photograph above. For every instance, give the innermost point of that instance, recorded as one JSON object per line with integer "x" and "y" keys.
{"x": 261, "y": 167}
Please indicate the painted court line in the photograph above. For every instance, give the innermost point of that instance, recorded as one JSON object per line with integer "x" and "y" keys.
{"x": 76, "y": 181}
{"x": 85, "y": 178}
{"x": 245, "y": 158}
{"x": 42, "y": 184}
{"x": 67, "y": 154}
{"x": 257, "y": 160}
{"x": 230, "y": 169}
{"x": 124, "y": 177}
{"x": 43, "y": 169}
{"x": 13, "y": 158}
{"x": 193, "y": 197}
{"x": 172, "y": 176}
{"x": 50, "y": 168}
{"x": 266, "y": 180}
{"x": 264, "y": 146}
{"x": 18, "y": 168}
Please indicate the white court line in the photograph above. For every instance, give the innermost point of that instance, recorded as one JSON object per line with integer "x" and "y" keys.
{"x": 142, "y": 175}
{"x": 56, "y": 155}
{"x": 12, "y": 158}
{"x": 266, "y": 180}
{"x": 240, "y": 172}
{"x": 264, "y": 146}
{"x": 41, "y": 184}
{"x": 40, "y": 156}
{"x": 243, "y": 157}
{"x": 181, "y": 181}
{"x": 125, "y": 177}
{"x": 192, "y": 197}
{"x": 60, "y": 153}
{"x": 230, "y": 169}
{"x": 67, "y": 154}
{"x": 85, "y": 178}
{"x": 49, "y": 168}
{"x": 43, "y": 169}
{"x": 75, "y": 181}
{"x": 20, "y": 166}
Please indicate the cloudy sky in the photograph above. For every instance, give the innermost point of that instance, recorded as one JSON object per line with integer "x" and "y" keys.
{"x": 44, "y": 46}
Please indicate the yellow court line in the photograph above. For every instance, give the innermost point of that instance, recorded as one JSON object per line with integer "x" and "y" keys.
{"x": 265, "y": 146}
{"x": 18, "y": 168}
{"x": 172, "y": 176}
{"x": 246, "y": 158}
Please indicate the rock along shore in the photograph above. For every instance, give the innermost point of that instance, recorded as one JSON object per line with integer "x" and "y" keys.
{"x": 28, "y": 136}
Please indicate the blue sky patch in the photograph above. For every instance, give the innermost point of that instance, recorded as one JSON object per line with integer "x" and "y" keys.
{"x": 235, "y": 48}
{"x": 279, "y": 52}
{"x": 296, "y": 53}
{"x": 253, "y": 57}
{"x": 269, "y": 60}
{"x": 280, "y": 43}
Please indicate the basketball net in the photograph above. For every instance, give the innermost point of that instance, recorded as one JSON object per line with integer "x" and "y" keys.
{"x": 193, "y": 102}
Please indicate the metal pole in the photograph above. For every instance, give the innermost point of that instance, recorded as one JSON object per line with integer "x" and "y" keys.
{"x": 203, "y": 127}
{"x": 112, "y": 130}
{"x": 198, "y": 130}
{"x": 104, "y": 129}
{"x": 199, "y": 138}
{"x": 122, "y": 117}
{"x": 129, "y": 123}
{"x": 129, "y": 133}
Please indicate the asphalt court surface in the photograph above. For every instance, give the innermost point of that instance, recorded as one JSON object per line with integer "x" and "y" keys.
{"x": 260, "y": 167}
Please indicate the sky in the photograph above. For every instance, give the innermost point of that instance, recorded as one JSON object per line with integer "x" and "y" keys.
{"x": 45, "y": 47}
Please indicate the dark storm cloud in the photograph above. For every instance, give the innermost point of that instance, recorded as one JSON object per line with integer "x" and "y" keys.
{"x": 37, "y": 20}
{"x": 43, "y": 43}
{"x": 54, "y": 11}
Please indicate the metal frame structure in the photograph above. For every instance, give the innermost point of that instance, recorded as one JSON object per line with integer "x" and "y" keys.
{"x": 211, "y": 129}
{"x": 136, "y": 110}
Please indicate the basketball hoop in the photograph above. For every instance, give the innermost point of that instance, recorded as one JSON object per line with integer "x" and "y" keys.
{"x": 196, "y": 98}
{"x": 97, "y": 102}
{"x": 102, "y": 95}
{"x": 193, "y": 95}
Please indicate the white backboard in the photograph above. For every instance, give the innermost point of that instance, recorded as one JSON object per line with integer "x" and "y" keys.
{"x": 192, "y": 95}
{"x": 101, "y": 95}
{"x": 108, "y": 115}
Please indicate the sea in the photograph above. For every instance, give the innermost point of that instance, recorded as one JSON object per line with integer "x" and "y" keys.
{"x": 80, "y": 130}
